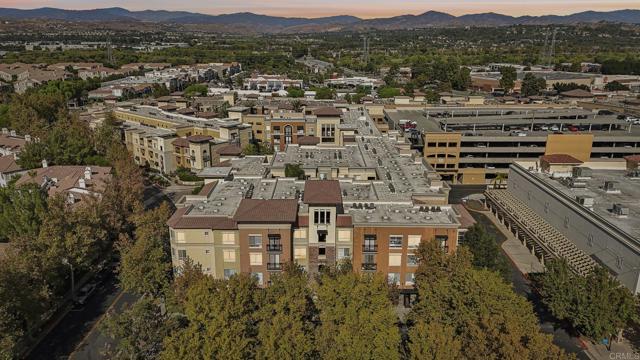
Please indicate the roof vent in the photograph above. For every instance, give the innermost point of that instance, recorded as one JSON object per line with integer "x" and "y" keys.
{"x": 581, "y": 172}
{"x": 620, "y": 211}
{"x": 585, "y": 201}
{"x": 611, "y": 187}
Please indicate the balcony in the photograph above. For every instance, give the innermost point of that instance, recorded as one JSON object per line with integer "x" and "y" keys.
{"x": 370, "y": 248}
{"x": 274, "y": 266}
{"x": 274, "y": 247}
{"x": 369, "y": 266}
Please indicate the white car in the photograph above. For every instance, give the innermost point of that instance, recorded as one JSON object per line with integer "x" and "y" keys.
{"x": 555, "y": 128}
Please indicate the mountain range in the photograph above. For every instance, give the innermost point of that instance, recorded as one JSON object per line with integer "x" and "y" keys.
{"x": 341, "y": 22}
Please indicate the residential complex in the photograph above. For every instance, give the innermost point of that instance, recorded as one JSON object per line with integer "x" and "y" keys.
{"x": 165, "y": 141}
{"x": 576, "y": 211}
{"x": 366, "y": 197}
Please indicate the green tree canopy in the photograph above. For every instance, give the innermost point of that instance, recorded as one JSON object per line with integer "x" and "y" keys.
{"x": 508, "y": 77}
{"x": 486, "y": 251}
{"x": 532, "y": 85}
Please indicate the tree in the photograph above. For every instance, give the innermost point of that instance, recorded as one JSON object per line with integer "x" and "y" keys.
{"x": 388, "y": 92}
{"x": 357, "y": 319}
{"x": 32, "y": 155}
{"x": 139, "y": 331}
{"x": 146, "y": 268}
{"x": 324, "y": 93}
{"x": 532, "y": 85}
{"x": 562, "y": 87}
{"x": 22, "y": 211}
{"x": 107, "y": 135}
{"x": 222, "y": 321}
{"x": 188, "y": 274}
{"x": 508, "y": 77}
{"x": 596, "y": 305}
{"x": 487, "y": 254}
{"x": 295, "y": 92}
{"x": 433, "y": 341}
{"x": 257, "y": 149}
{"x": 488, "y": 318}
{"x": 286, "y": 328}
{"x": 196, "y": 90}
{"x": 294, "y": 171}
{"x": 159, "y": 90}
{"x": 616, "y": 86}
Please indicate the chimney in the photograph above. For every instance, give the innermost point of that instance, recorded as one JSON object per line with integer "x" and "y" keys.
{"x": 15, "y": 156}
{"x": 5, "y": 131}
{"x": 82, "y": 184}
{"x": 87, "y": 173}
{"x": 27, "y": 138}
{"x": 44, "y": 163}
{"x": 12, "y": 133}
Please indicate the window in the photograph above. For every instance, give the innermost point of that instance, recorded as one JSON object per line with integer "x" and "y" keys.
{"x": 258, "y": 276}
{"x": 395, "y": 259}
{"x": 229, "y": 255}
{"x": 322, "y": 217}
{"x": 442, "y": 241}
{"x": 369, "y": 244}
{"x": 395, "y": 241}
{"x": 288, "y": 134}
{"x": 274, "y": 243}
{"x": 172, "y": 234}
{"x": 206, "y": 234}
{"x": 322, "y": 251}
{"x": 369, "y": 258}
{"x": 344, "y": 235}
{"x": 328, "y": 132}
{"x": 228, "y": 238}
{"x": 180, "y": 236}
{"x": 182, "y": 254}
{"x": 300, "y": 253}
{"x": 409, "y": 279}
{"x": 274, "y": 262}
{"x": 229, "y": 273}
{"x": 300, "y": 234}
{"x": 344, "y": 253}
{"x": 452, "y": 144}
{"x": 322, "y": 236}
{"x": 414, "y": 241}
{"x": 207, "y": 251}
{"x": 393, "y": 278}
{"x": 412, "y": 260}
{"x": 255, "y": 241}
{"x": 255, "y": 259}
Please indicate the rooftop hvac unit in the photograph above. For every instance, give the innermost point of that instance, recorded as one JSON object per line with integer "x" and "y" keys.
{"x": 620, "y": 210}
{"x": 611, "y": 187}
{"x": 577, "y": 184}
{"x": 585, "y": 201}
{"x": 582, "y": 172}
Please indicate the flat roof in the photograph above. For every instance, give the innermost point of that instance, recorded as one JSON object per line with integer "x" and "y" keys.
{"x": 627, "y": 195}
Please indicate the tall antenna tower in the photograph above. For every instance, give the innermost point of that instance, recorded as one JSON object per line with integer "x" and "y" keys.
{"x": 110, "y": 58}
{"x": 552, "y": 50}
{"x": 366, "y": 50}
{"x": 543, "y": 54}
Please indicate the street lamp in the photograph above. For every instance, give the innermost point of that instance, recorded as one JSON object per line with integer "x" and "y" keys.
{"x": 73, "y": 285}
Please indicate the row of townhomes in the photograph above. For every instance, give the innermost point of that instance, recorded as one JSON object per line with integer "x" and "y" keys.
{"x": 366, "y": 197}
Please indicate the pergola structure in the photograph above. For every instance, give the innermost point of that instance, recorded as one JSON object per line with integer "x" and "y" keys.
{"x": 543, "y": 240}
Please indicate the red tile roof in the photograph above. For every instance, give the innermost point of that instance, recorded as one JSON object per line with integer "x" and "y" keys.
{"x": 229, "y": 150}
{"x": 560, "y": 159}
{"x": 182, "y": 142}
{"x": 199, "y": 138}
{"x": 207, "y": 188}
{"x": 635, "y": 158}
{"x": 344, "y": 221}
{"x": 308, "y": 140}
{"x": 267, "y": 211}
{"x": 465, "y": 218}
{"x": 322, "y": 192}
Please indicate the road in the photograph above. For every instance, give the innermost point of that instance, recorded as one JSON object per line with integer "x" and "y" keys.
{"x": 458, "y": 192}
{"x": 77, "y": 335}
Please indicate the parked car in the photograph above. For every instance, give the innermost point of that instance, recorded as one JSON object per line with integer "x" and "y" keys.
{"x": 555, "y": 128}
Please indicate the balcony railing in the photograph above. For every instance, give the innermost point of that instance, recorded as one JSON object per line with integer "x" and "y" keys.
{"x": 370, "y": 248}
{"x": 274, "y": 247}
{"x": 274, "y": 266}
{"x": 369, "y": 266}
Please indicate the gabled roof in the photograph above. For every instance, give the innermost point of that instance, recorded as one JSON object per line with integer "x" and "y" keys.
{"x": 8, "y": 164}
{"x": 267, "y": 211}
{"x": 577, "y": 93}
{"x": 322, "y": 192}
{"x": 229, "y": 150}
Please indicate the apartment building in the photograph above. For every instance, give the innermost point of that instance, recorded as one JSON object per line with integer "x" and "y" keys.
{"x": 587, "y": 215}
{"x": 165, "y": 141}
{"x": 372, "y": 205}
{"x": 473, "y": 145}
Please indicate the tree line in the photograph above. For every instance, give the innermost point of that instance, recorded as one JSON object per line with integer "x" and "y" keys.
{"x": 462, "y": 312}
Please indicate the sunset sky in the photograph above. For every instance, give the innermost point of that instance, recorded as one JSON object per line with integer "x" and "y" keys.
{"x": 361, "y": 8}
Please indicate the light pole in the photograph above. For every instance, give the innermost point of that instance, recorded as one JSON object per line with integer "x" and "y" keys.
{"x": 73, "y": 284}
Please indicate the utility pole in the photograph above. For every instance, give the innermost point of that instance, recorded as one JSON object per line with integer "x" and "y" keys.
{"x": 552, "y": 50}
{"x": 366, "y": 50}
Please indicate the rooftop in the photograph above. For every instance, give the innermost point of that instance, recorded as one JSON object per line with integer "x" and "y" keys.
{"x": 322, "y": 192}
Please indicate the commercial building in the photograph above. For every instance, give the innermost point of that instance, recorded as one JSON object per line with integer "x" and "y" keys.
{"x": 490, "y": 81}
{"x": 270, "y": 83}
{"x": 588, "y": 216}
{"x": 473, "y": 145}
{"x": 366, "y": 198}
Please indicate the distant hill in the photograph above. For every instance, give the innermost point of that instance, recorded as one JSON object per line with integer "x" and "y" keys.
{"x": 267, "y": 23}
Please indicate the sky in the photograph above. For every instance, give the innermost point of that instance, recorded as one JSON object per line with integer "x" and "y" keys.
{"x": 361, "y": 8}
